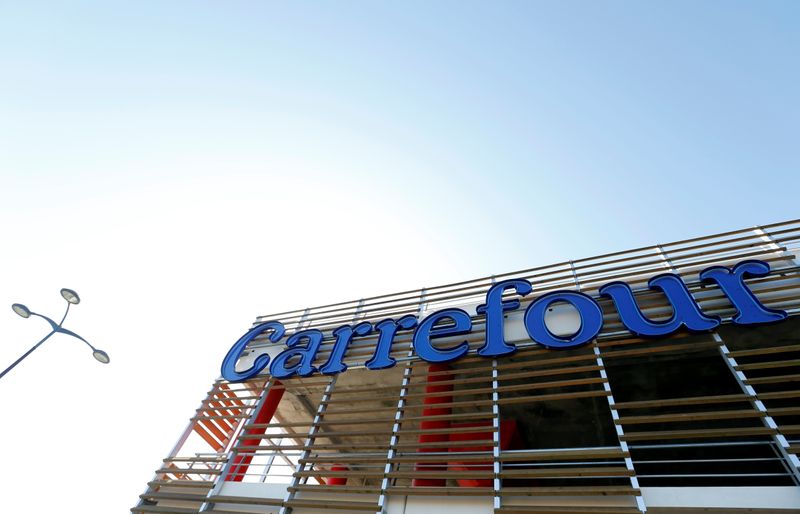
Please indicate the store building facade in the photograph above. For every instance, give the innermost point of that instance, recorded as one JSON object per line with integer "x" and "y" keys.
{"x": 662, "y": 379}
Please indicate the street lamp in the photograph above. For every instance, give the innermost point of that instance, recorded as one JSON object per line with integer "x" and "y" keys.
{"x": 72, "y": 298}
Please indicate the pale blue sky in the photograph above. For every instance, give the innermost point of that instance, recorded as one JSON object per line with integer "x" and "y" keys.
{"x": 585, "y": 109}
{"x": 232, "y": 159}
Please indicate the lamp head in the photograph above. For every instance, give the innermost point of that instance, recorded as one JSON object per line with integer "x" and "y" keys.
{"x": 21, "y": 310}
{"x": 101, "y": 356}
{"x": 71, "y": 296}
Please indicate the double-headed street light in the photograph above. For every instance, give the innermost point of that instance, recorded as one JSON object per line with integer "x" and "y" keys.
{"x": 72, "y": 298}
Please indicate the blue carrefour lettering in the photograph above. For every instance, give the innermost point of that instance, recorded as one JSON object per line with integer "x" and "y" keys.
{"x": 302, "y": 348}
{"x": 282, "y": 367}
{"x": 685, "y": 311}
{"x": 590, "y": 313}
{"x": 427, "y": 330}
{"x": 494, "y": 309}
{"x": 749, "y": 310}
{"x": 343, "y": 335}
{"x": 229, "y": 362}
{"x": 387, "y": 328}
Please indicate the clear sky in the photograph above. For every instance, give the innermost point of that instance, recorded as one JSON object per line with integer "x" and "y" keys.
{"x": 188, "y": 165}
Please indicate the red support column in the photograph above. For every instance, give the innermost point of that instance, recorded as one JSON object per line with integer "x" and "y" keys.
{"x": 337, "y": 480}
{"x": 431, "y": 409}
{"x": 242, "y": 461}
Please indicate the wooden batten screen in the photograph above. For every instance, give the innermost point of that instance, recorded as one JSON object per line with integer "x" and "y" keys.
{"x": 530, "y": 429}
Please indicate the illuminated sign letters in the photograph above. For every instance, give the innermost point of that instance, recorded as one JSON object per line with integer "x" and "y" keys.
{"x": 302, "y": 346}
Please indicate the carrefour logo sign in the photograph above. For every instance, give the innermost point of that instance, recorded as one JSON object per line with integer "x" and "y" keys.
{"x": 301, "y": 347}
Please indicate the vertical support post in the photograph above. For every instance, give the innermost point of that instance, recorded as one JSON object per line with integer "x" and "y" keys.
{"x": 779, "y": 440}
{"x": 764, "y": 236}
{"x": 357, "y": 313}
{"x": 575, "y": 275}
{"x": 663, "y": 255}
{"x": 620, "y": 432}
{"x": 612, "y": 407}
{"x": 270, "y": 462}
{"x": 780, "y": 443}
{"x": 268, "y": 406}
{"x": 496, "y": 484}
{"x": 303, "y": 319}
{"x": 220, "y": 480}
{"x": 398, "y": 416}
{"x": 312, "y": 432}
{"x": 395, "y": 437}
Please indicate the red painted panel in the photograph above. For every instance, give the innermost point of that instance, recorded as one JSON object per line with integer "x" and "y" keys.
{"x": 432, "y": 410}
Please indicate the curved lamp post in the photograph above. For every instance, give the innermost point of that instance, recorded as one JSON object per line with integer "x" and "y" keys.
{"x": 72, "y": 298}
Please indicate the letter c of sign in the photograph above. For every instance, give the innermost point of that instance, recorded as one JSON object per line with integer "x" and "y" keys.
{"x": 229, "y": 363}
